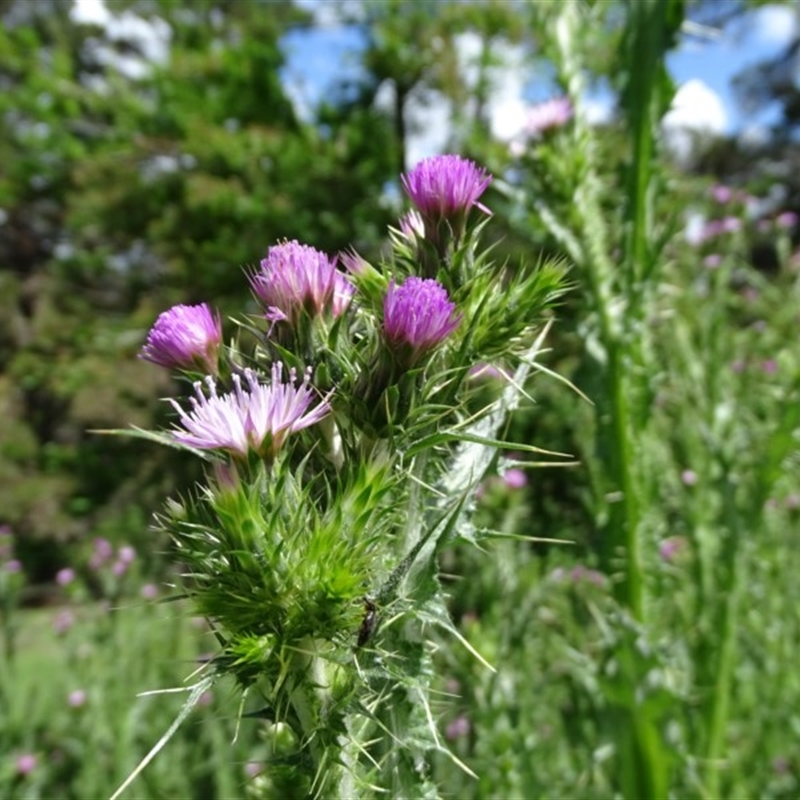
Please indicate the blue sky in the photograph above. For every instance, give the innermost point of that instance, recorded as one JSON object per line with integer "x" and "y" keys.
{"x": 705, "y": 65}
{"x": 319, "y": 56}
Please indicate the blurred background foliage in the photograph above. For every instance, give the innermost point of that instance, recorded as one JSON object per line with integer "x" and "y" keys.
{"x": 137, "y": 172}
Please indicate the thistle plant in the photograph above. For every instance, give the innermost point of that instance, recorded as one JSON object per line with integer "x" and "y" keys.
{"x": 343, "y": 442}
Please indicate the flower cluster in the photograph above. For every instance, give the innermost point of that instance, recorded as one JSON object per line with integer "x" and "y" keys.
{"x": 543, "y": 117}
{"x": 300, "y": 552}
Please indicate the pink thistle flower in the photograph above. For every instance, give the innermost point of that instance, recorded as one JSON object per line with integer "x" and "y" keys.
{"x": 126, "y": 554}
{"x": 253, "y": 769}
{"x": 77, "y": 698}
{"x": 14, "y": 565}
{"x": 64, "y": 620}
{"x": 185, "y": 337}
{"x": 458, "y": 728}
{"x": 65, "y": 576}
{"x": 417, "y": 317}
{"x": 553, "y": 113}
{"x": 102, "y": 553}
{"x": 257, "y": 418}
{"x": 722, "y": 194}
{"x": 769, "y": 367}
{"x": 412, "y": 226}
{"x": 787, "y": 219}
{"x": 689, "y": 477}
{"x": 515, "y": 479}
{"x": 26, "y": 763}
{"x": 149, "y": 591}
{"x": 119, "y": 568}
{"x": 294, "y": 279}
{"x": 672, "y": 547}
{"x": 445, "y": 187}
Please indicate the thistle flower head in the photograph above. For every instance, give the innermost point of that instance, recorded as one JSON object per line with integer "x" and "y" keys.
{"x": 295, "y": 278}
{"x": 257, "y": 417}
{"x": 184, "y": 337}
{"x": 417, "y": 317}
{"x": 445, "y": 187}
{"x": 553, "y": 113}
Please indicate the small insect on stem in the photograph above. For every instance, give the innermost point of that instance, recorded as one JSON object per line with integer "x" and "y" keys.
{"x": 368, "y": 624}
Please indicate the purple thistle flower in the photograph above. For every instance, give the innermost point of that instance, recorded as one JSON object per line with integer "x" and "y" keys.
{"x": 76, "y": 698}
{"x": 458, "y": 728}
{"x": 185, "y": 337}
{"x": 445, "y": 187}
{"x": 26, "y": 763}
{"x": 417, "y": 317}
{"x": 149, "y": 591}
{"x": 295, "y": 278}
{"x": 65, "y": 576}
{"x": 553, "y": 113}
{"x": 515, "y": 478}
{"x": 722, "y": 194}
{"x": 412, "y": 226}
{"x": 257, "y": 418}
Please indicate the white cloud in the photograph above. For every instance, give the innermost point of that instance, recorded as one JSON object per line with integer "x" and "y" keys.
{"x": 597, "y": 109}
{"x": 429, "y": 114}
{"x": 429, "y": 124}
{"x": 772, "y": 25}
{"x": 89, "y": 12}
{"x": 698, "y": 108}
{"x": 696, "y": 112}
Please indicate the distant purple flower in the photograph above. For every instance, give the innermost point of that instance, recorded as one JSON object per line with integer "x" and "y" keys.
{"x": 119, "y": 568}
{"x": 253, "y": 769}
{"x": 553, "y": 113}
{"x": 126, "y": 554}
{"x": 445, "y": 187}
{"x": 722, "y": 194}
{"x": 257, "y": 418}
{"x": 769, "y": 367}
{"x": 65, "y": 576}
{"x": 205, "y": 699}
{"x": 64, "y": 620}
{"x": 712, "y": 261}
{"x": 185, "y": 337}
{"x": 671, "y": 547}
{"x": 149, "y": 591}
{"x": 788, "y": 219}
{"x": 738, "y": 366}
{"x": 26, "y": 763}
{"x": 295, "y": 279}
{"x": 417, "y": 317}
{"x": 14, "y": 565}
{"x": 780, "y": 765}
{"x": 102, "y": 553}
{"x": 458, "y": 728}
{"x": 689, "y": 477}
{"x": 718, "y": 227}
{"x": 580, "y": 573}
{"x": 515, "y": 479}
{"x": 77, "y": 698}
